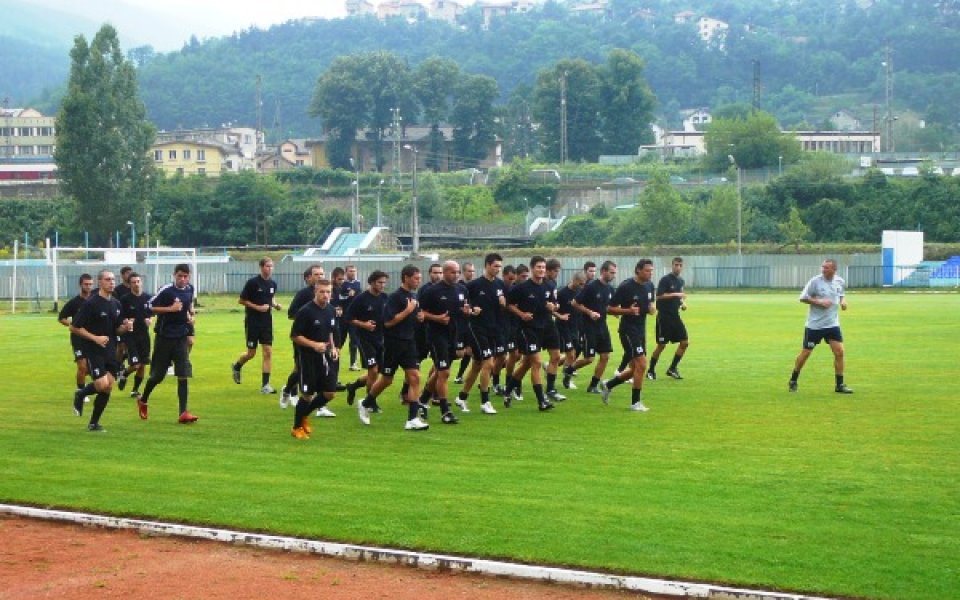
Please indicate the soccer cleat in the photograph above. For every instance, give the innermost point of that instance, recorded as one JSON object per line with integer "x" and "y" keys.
{"x": 462, "y": 405}
{"x": 135, "y": 394}
{"x": 604, "y": 392}
{"x": 96, "y": 428}
{"x": 555, "y": 396}
{"x": 341, "y": 387}
{"x": 449, "y": 419}
{"x": 305, "y": 424}
{"x": 458, "y": 380}
{"x": 122, "y": 380}
{"x": 517, "y": 396}
{"x": 267, "y": 389}
{"x": 544, "y": 406}
{"x": 498, "y": 390}
{"x": 78, "y": 400}
{"x": 325, "y": 412}
{"x": 792, "y": 385}
{"x": 488, "y": 409}
{"x": 363, "y": 414}
{"x": 842, "y": 389}
{"x": 236, "y": 373}
{"x": 639, "y": 406}
{"x": 674, "y": 373}
{"x": 354, "y": 367}
{"x": 652, "y": 375}
{"x": 375, "y": 409}
{"x": 567, "y": 384}
{"x": 142, "y": 408}
{"x": 593, "y": 390}
{"x": 415, "y": 424}
{"x": 424, "y": 412}
{"x": 507, "y": 400}
{"x": 186, "y": 418}
{"x": 300, "y": 433}
{"x": 351, "y": 394}
{"x": 284, "y": 398}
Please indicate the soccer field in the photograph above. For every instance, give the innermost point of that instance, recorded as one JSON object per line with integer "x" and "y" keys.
{"x": 729, "y": 478}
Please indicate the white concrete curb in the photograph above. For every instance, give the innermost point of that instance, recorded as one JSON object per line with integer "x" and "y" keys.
{"x": 416, "y": 559}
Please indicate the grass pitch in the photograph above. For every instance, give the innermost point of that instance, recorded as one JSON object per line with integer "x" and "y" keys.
{"x": 728, "y": 478}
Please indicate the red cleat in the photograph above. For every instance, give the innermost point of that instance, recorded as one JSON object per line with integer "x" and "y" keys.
{"x": 186, "y": 417}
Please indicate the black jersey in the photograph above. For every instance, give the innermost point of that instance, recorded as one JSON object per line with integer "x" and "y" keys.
{"x": 630, "y": 293}
{"x": 596, "y": 297}
{"x": 137, "y": 307}
{"x": 532, "y": 298}
{"x": 315, "y": 323}
{"x": 670, "y": 284}
{"x": 367, "y": 307}
{"x": 99, "y": 316}
{"x": 300, "y": 300}
{"x": 442, "y": 298}
{"x": 348, "y": 292}
{"x": 565, "y": 297}
{"x": 485, "y": 294}
{"x": 173, "y": 325}
{"x": 121, "y": 290}
{"x": 69, "y": 311}
{"x": 259, "y": 291}
{"x": 396, "y": 304}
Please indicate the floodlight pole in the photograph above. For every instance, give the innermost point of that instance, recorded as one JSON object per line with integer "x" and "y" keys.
{"x": 415, "y": 216}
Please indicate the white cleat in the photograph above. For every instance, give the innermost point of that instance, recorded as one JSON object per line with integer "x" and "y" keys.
{"x": 325, "y": 412}
{"x": 268, "y": 389}
{"x": 639, "y": 406}
{"x": 488, "y": 409}
{"x": 415, "y": 424}
{"x": 462, "y": 405}
{"x": 284, "y": 399}
{"x": 604, "y": 392}
{"x": 363, "y": 413}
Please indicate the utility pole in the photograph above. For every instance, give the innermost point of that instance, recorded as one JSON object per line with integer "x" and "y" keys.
{"x": 756, "y": 85}
{"x": 259, "y": 101}
{"x": 889, "y": 143}
{"x": 395, "y": 126}
{"x": 563, "y": 119}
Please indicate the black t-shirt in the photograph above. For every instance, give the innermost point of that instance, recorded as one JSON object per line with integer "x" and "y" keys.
{"x": 173, "y": 325}
{"x": 439, "y": 299}
{"x": 629, "y": 293}
{"x": 367, "y": 307}
{"x": 69, "y": 311}
{"x": 137, "y": 308}
{"x": 396, "y": 304}
{"x": 300, "y": 300}
{"x": 348, "y": 292}
{"x": 596, "y": 297}
{"x": 532, "y": 298}
{"x": 485, "y": 294}
{"x": 99, "y": 316}
{"x": 121, "y": 290}
{"x": 259, "y": 291}
{"x": 670, "y": 284}
{"x": 565, "y": 297}
{"x": 314, "y": 322}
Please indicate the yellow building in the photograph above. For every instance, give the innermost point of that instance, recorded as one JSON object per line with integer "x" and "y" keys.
{"x": 185, "y": 157}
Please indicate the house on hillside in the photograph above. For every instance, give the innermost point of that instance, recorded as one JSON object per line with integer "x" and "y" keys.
{"x": 696, "y": 119}
{"x": 286, "y": 156}
{"x": 189, "y": 157}
{"x": 599, "y": 9}
{"x": 27, "y": 143}
{"x": 445, "y": 10}
{"x": 409, "y": 11}
{"x": 845, "y": 121}
{"x": 357, "y": 8}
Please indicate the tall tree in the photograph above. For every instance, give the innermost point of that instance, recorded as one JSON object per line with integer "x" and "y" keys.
{"x": 473, "y": 119}
{"x": 753, "y": 142}
{"x": 103, "y": 138}
{"x": 628, "y": 104}
{"x": 575, "y": 84}
{"x": 434, "y": 83}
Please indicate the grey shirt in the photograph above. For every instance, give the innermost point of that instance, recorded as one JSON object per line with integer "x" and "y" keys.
{"x": 818, "y": 287}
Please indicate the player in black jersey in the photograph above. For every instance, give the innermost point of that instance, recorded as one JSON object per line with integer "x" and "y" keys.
{"x": 632, "y": 302}
{"x": 551, "y": 333}
{"x": 486, "y": 296}
{"x": 593, "y": 301}
{"x": 671, "y": 299}
{"x": 314, "y": 333}
{"x": 65, "y": 317}
{"x": 531, "y": 302}
{"x": 365, "y": 315}
{"x": 257, "y": 298}
{"x": 504, "y": 340}
{"x": 469, "y": 272}
{"x": 98, "y": 323}
{"x": 350, "y": 289}
{"x": 569, "y": 327}
{"x": 514, "y": 343}
{"x": 136, "y": 306}
{"x": 312, "y": 274}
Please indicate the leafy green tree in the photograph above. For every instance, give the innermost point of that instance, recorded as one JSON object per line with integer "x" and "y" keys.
{"x": 341, "y": 100}
{"x": 627, "y": 104}
{"x": 718, "y": 219}
{"x": 474, "y": 130}
{"x": 434, "y": 83}
{"x": 582, "y": 83}
{"x": 754, "y": 142}
{"x": 577, "y": 232}
{"x": 470, "y": 204}
{"x": 794, "y": 231}
{"x": 103, "y": 138}
{"x": 663, "y": 216}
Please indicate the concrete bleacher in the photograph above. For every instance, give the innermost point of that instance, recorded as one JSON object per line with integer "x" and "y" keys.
{"x": 946, "y": 274}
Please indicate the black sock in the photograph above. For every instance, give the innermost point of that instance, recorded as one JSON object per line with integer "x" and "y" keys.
{"x": 368, "y": 401}
{"x": 463, "y": 395}
{"x": 484, "y": 396}
{"x": 89, "y": 389}
{"x": 99, "y": 404}
{"x": 151, "y": 383}
{"x": 839, "y": 379}
{"x": 302, "y": 410}
{"x": 237, "y": 366}
{"x": 496, "y": 378}
{"x": 444, "y": 406}
{"x": 538, "y": 392}
{"x": 425, "y": 396}
{"x": 464, "y": 363}
{"x": 137, "y": 380}
{"x": 613, "y": 382}
{"x": 551, "y": 382}
{"x": 623, "y": 363}
{"x": 653, "y": 365}
{"x": 675, "y": 362}
{"x": 795, "y": 375}
{"x": 292, "y": 381}
{"x": 413, "y": 409}
{"x": 264, "y": 379}
{"x": 569, "y": 371}
{"x": 593, "y": 383}
{"x": 404, "y": 389}
{"x": 635, "y": 395}
{"x": 182, "y": 393}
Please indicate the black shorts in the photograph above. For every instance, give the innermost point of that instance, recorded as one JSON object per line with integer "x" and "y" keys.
{"x": 634, "y": 345}
{"x": 371, "y": 352}
{"x": 812, "y": 337}
{"x": 596, "y": 339}
{"x": 77, "y": 348}
{"x": 318, "y": 372}
{"x": 569, "y": 338}
{"x": 191, "y": 330}
{"x": 550, "y": 340}
{"x": 499, "y": 341}
{"x": 482, "y": 344}
{"x": 171, "y": 351}
{"x": 529, "y": 340}
{"x": 138, "y": 348}
{"x": 398, "y": 353}
{"x": 259, "y": 333}
{"x": 670, "y": 329}
{"x": 420, "y": 339}
{"x": 99, "y": 363}
{"x": 441, "y": 349}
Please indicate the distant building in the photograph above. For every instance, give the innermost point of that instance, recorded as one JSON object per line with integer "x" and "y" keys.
{"x": 696, "y": 119}
{"x": 288, "y": 155}
{"x": 189, "y": 157}
{"x": 445, "y": 10}
{"x": 844, "y": 121}
{"x": 25, "y": 132}
{"x": 492, "y": 9}
{"x": 691, "y": 143}
{"x": 409, "y": 11}
{"x": 241, "y": 142}
{"x": 360, "y": 7}
{"x": 600, "y": 9}
{"x": 712, "y": 31}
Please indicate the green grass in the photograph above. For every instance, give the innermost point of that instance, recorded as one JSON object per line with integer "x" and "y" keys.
{"x": 728, "y": 478}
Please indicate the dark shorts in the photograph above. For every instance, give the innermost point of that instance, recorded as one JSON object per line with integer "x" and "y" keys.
{"x": 138, "y": 348}
{"x": 171, "y": 351}
{"x": 420, "y": 339}
{"x": 529, "y": 340}
{"x": 441, "y": 349}
{"x": 596, "y": 339}
{"x": 569, "y": 338}
{"x": 463, "y": 337}
{"x": 318, "y": 373}
{"x": 499, "y": 342}
{"x": 77, "y": 348}
{"x": 550, "y": 340}
{"x": 371, "y": 352}
{"x": 482, "y": 344}
{"x": 398, "y": 354}
{"x": 812, "y": 337}
{"x": 670, "y": 329}
{"x": 259, "y": 333}
{"x": 100, "y": 363}
{"x": 634, "y": 345}
{"x": 191, "y": 330}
